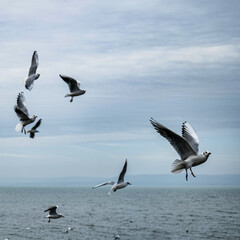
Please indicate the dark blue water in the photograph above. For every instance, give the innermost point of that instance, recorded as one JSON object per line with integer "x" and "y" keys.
{"x": 132, "y": 213}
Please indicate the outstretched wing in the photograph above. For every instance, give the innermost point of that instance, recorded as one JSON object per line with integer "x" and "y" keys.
{"x": 52, "y": 210}
{"x": 20, "y": 103}
{"x": 190, "y": 135}
{"x": 73, "y": 84}
{"x": 37, "y": 124}
{"x": 22, "y": 116}
{"x": 180, "y": 144}
{"x": 103, "y": 184}
{"x": 122, "y": 174}
{"x": 34, "y": 64}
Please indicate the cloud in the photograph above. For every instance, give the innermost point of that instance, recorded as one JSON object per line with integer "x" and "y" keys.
{"x": 175, "y": 61}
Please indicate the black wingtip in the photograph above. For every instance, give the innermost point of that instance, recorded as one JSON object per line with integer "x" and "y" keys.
{"x": 152, "y": 121}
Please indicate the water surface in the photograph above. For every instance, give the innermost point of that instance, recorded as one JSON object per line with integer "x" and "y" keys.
{"x": 133, "y": 213}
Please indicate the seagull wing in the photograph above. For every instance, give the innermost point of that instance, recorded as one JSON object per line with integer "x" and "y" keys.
{"x": 180, "y": 144}
{"x": 20, "y": 103}
{"x": 73, "y": 84}
{"x": 190, "y": 135}
{"x": 37, "y": 124}
{"x": 22, "y": 116}
{"x": 52, "y": 210}
{"x": 103, "y": 184}
{"x": 122, "y": 174}
{"x": 34, "y": 64}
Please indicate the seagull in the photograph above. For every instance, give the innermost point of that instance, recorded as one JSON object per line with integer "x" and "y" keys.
{"x": 74, "y": 87}
{"x": 33, "y": 130}
{"x": 119, "y": 184}
{"x": 186, "y": 146}
{"x": 22, "y": 113}
{"x": 32, "y": 75}
{"x": 52, "y": 213}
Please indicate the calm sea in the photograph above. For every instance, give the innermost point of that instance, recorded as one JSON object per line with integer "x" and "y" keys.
{"x": 132, "y": 213}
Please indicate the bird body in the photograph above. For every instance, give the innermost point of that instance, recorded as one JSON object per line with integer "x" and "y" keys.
{"x": 32, "y": 75}
{"x": 22, "y": 113}
{"x": 74, "y": 87}
{"x": 52, "y": 213}
{"x": 185, "y": 145}
{"x": 74, "y": 94}
{"x": 34, "y": 130}
{"x": 117, "y": 186}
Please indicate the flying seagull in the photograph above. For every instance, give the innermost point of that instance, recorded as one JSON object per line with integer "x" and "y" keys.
{"x": 32, "y": 75}
{"x": 119, "y": 184}
{"x": 34, "y": 129}
{"x": 22, "y": 113}
{"x": 186, "y": 146}
{"x": 52, "y": 213}
{"x": 74, "y": 87}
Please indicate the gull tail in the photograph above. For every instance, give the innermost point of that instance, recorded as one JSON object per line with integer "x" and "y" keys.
{"x": 19, "y": 127}
{"x": 178, "y": 166}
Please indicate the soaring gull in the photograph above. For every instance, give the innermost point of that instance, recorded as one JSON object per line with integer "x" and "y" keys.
{"x": 22, "y": 113}
{"x": 119, "y": 184}
{"x": 74, "y": 87}
{"x": 186, "y": 146}
{"x": 52, "y": 213}
{"x": 34, "y": 129}
{"x": 32, "y": 74}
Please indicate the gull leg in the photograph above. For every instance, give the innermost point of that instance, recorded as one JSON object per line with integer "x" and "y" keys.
{"x": 49, "y": 220}
{"x": 192, "y": 172}
{"x": 186, "y": 175}
{"x": 24, "y": 130}
{"x": 71, "y": 99}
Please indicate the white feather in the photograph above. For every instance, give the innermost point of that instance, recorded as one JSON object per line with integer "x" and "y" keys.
{"x": 19, "y": 127}
{"x": 178, "y": 166}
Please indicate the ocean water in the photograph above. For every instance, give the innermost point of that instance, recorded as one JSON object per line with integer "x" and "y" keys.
{"x": 132, "y": 213}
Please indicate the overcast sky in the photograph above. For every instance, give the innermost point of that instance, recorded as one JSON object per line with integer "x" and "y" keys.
{"x": 174, "y": 61}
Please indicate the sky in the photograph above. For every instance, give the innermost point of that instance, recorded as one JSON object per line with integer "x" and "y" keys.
{"x": 174, "y": 61}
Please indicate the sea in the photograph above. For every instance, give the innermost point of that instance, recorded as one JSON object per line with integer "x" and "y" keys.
{"x": 132, "y": 213}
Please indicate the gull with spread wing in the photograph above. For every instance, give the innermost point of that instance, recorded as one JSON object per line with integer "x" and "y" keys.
{"x": 53, "y": 213}
{"x": 32, "y": 74}
{"x": 34, "y": 129}
{"x": 185, "y": 145}
{"x": 22, "y": 113}
{"x": 119, "y": 184}
{"x": 74, "y": 87}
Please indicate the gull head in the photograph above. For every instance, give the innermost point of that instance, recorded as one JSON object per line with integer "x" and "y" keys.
{"x": 206, "y": 153}
{"x": 34, "y": 116}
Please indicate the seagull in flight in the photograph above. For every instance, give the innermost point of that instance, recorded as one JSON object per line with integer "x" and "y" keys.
{"x": 34, "y": 129}
{"x": 52, "y": 213}
{"x": 32, "y": 74}
{"x": 74, "y": 87}
{"x": 185, "y": 145}
{"x": 119, "y": 184}
{"x": 22, "y": 113}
